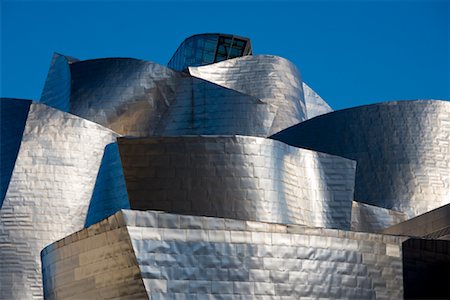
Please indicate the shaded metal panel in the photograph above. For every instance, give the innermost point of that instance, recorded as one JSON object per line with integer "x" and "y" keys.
{"x": 369, "y": 218}
{"x": 434, "y": 224}
{"x": 426, "y": 269}
{"x": 98, "y": 263}
{"x": 141, "y": 98}
{"x": 203, "y": 108}
{"x": 56, "y": 92}
{"x": 48, "y": 195}
{"x": 402, "y": 151}
{"x": 126, "y": 95}
{"x": 238, "y": 177}
{"x": 110, "y": 193}
{"x": 189, "y": 257}
{"x": 272, "y": 79}
{"x": 315, "y": 105}
{"x": 13, "y": 115}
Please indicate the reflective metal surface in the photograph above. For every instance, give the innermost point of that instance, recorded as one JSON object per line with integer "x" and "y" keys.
{"x": 272, "y": 79}
{"x": 402, "y": 151}
{"x": 315, "y": 105}
{"x": 49, "y": 193}
{"x": 238, "y": 177}
{"x": 189, "y": 257}
{"x": 138, "y": 98}
{"x": 13, "y": 115}
{"x": 56, "y": 92}
{"x": 369, "y": 218}
{"x": 255, "y": 213}
{"x": 432, "y": 225}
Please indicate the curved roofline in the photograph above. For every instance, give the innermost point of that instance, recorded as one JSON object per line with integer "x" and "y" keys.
{"x": 249, "y": 57}
{"x": 383, "y": 103}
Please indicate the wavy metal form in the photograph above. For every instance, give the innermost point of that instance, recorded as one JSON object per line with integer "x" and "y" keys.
{"x": 402, "y": 151}
{"x": 272, "y": 79}
{"x": 49, "y": 193}
{"x": 138, "y": 98}
{"x": 13, "y": 115}
{"x": 238, "y": 177}
{"x": 191, "y": 257}
{"x": 56, "y": 92}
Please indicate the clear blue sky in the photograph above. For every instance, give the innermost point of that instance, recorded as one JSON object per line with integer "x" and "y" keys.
{"x": 350, "y": 52}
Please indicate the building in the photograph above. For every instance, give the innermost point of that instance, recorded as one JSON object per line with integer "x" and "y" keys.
{"x": 221, "y": 176}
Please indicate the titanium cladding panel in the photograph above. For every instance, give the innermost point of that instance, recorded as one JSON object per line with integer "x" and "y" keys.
{"x": 272, "y": 79}
{"x": 191, "y": 257}
{"x": 56, "y": 92}
{"x": 369, "y": 218}
{"x": 402, "y": 151}
{"x": 315, "y": 105}
{"x": 238, "y": 177}
{"x": 139, "y": 98}
{"x": 48, "y": 195}
{"x": 13, "y": 115}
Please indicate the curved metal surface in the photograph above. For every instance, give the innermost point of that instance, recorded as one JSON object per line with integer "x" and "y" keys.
{"x": 369, "y": 218}
{"x": 139, "y": 98}
{"x": 402, "y": 151}
{"x": 110, "y": 193}
{"x": 191, "y": 257}
{"x": 48, "y": 194}
{"x": 238, "y": 177}
{"x": 56, "y": 92}
{"x": 272, "y": 79}
{"x": 315, "y": 105}
{"x": 125, "y": 95}
{"x": 13, "y": 115}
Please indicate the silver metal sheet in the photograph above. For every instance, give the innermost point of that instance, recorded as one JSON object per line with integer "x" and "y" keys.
{"x": 139, "y": 98}
{"x": 238, "y": 177}
{"x": 369, "y": 218}
{"x": 272, "y": 79}
{"x": 48, "y": 195}
{"x": 402, "y": 151}
{"x": 434, "y": 224}
{"x": 56, "y": 92}
{"x": 315, "y": 105}
{"x": 13, "y": 115}
{"x": 224, "y": 258}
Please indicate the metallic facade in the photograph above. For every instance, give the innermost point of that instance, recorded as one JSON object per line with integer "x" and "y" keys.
{"x": 13, "y": 114}
{"x": 192, "y": 257}
{"x": 139, "y": 98}
{"x": 218, "y": 209}
{"x": 272, "y": 79}
{"x": 315, "y": 105}
{"x": 369, "y": 218}
{"x": 238, "y": 177}
{"x": 401, "y": 148}
{"x": 434, "y": 224}
{"x": 49, "y": 193}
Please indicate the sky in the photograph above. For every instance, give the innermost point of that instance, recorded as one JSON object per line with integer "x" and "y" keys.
{"x": 350, "y": 52}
